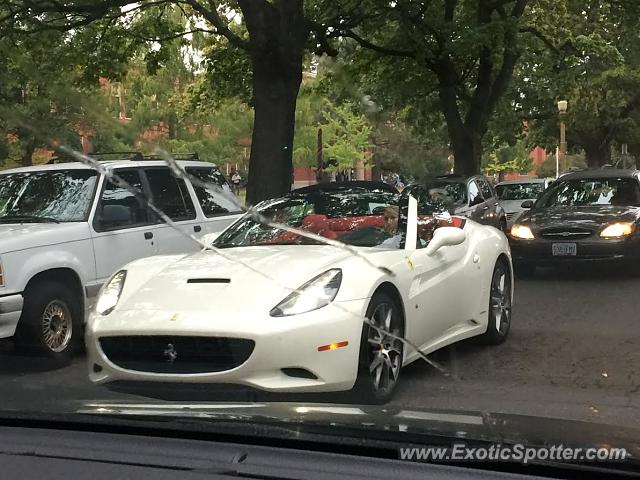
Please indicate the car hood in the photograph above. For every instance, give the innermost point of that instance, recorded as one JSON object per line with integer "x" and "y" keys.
{"x": 387, "y": 423}
{"x": 22, "y": 236}
{"x": 591, "y": 218}
{"x": 264, "y": 275}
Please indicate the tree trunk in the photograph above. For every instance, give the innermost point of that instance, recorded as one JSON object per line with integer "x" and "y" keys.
{"x": 28, "y": 147}
{"x": 597, "y": 154}
{"x": 278, "y": 34}
{"x": 271, "y": 160}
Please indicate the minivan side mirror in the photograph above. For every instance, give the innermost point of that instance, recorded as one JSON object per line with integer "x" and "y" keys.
{"x": 527, "y": 204}
{"x": 444, "y": 237}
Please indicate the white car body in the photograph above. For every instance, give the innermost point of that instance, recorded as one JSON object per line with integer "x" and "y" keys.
{"x": 76, "y": 253}
{"x": 513, "y": 208}
{"x": 444, "y": 295}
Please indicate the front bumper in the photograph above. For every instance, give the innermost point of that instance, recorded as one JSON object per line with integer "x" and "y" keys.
{"x": 10, "y": 312}
{"x": 539, "y": 251}
{"x": 286, "y": 343}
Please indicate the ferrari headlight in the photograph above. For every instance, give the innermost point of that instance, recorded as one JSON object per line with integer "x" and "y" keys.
{"x": 110, "y": 293}
{"x": 522, "y": 232}
{"x": 618, "y": 230}
{"x": 314, "y": 294}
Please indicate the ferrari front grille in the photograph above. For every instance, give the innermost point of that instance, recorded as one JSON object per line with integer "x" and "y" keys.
{"x": 176, "y": 354}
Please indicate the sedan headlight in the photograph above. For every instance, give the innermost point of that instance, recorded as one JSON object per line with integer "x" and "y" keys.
{"x": 110, "y": 293}
{"x": 522, "y": 232}
{"x": 618, "y": 230}
{"x": 316, "y": 293}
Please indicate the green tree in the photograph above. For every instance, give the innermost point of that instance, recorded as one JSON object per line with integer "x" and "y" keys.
{"x": 588, "y": 55}
{"x": 448, "y": 56}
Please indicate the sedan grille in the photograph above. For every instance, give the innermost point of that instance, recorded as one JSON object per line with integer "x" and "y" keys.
{"x": 566, "y": 233}
{"x": 176, "y": 354}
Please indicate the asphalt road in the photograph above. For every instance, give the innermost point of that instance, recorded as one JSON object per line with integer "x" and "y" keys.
{"x": 573, "y": 352}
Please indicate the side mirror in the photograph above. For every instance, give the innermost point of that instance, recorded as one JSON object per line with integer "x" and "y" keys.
{"x": 444, "y": 237}
{"x": 476, "y": 201}
{"x": 115, "y": 215}
{"x": 527, "y": 204}
{"x": 209, "y": 238}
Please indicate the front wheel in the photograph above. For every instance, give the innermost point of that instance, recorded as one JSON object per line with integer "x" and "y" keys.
{"x": 50, "y": 323}
{"x": 381, "y": 350}
{"x": 500, "y": 307}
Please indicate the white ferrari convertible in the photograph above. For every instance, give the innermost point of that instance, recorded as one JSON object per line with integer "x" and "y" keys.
{"x": 284, "y": 311}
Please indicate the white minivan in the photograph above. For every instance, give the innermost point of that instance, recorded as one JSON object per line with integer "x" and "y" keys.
{"x": 65, "y": 229}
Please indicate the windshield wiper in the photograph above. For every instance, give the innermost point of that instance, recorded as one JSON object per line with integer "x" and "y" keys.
{"x": 27, "y": 218}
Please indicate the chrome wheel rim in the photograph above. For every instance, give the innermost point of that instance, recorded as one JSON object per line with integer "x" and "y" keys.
{"x": 501, "y": 300}
{"x": 385, "y": 351}
{"x": 57, "y": 326}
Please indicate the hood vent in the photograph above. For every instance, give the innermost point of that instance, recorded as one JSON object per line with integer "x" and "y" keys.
{"x": 209, "y": 280}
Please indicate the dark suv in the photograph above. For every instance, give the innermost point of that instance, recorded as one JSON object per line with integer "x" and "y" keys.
{"x": 473, "y": 197}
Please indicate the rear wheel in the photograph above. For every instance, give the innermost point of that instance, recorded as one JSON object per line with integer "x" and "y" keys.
{"x": 50, "y": 324}
{"x": 381, "y": 354}
{"x": 499, "y": 305}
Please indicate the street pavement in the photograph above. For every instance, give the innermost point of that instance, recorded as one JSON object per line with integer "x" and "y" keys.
{"x": 573, "y": 352}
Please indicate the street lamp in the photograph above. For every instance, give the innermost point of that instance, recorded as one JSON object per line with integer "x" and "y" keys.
{"x": 562, "y": 109}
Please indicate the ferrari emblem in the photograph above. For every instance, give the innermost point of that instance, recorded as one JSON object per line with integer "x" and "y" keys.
{"x": 174, "y": 318}
{"x": 170, "y": 353}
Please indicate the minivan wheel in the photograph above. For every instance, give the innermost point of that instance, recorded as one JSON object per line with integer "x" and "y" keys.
{"x": 50, "y": 324}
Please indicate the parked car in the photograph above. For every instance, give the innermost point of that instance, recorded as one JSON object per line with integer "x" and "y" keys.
{"x": 512, "y": 193}
{"x": 65, "y": 229}
{"x": 473, "y": 197}
{"x": 591, "y": 215}
{"x": 302, "y": 328}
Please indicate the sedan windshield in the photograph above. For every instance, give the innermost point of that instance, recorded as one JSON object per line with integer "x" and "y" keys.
{"x": 519, "y": 191}
{"x": 59, "y": 196}
{"x": 591, "y": 191}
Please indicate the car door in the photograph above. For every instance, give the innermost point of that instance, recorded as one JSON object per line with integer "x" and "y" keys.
{"x": 121, "y": 225}
{"x": 219, "y": 210}
{"x": 436, "y": 279}
{"x": 171, "y": 196}
{"x": 490, "y": 207}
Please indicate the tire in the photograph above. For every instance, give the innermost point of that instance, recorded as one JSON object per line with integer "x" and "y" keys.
{"x": 50, "y": 324}
{"x": 500, "y": 308}
{"x": 377, "y": 384}
{"x": 524, "y": 269}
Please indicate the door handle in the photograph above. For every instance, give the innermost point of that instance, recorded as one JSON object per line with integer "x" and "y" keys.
{"x": 148, "y": 235}
{"x": 197, "y": 228}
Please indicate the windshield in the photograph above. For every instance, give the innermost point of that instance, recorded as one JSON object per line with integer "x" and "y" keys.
{"x": 61, "y": 195}
{"x": 590, "y": 192}
{"x": 356, "y": 218}
{"x": 448, "y": 192}
{"x": 519, "y": 191}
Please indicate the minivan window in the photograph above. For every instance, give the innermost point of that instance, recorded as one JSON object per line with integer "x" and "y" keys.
{"x": 212, "y": 204}
{"x": 119, "y": 208}
{"x": 170, "y": 194}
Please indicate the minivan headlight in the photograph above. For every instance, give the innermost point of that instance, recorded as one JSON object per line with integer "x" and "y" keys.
{"x": 618, "y": 230}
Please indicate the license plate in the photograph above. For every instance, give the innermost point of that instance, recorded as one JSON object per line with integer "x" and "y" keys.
{"x": 564, "y": 249}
